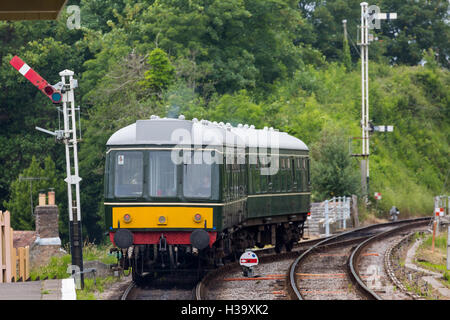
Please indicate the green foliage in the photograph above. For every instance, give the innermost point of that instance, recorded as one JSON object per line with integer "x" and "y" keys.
{"x": 57, "y": 267}
{"x": 346, "y": 57}
{"x": 332, "y": 171}
{"x": 275, "y": 63}
{"x": 161, "y": 73}
{"x": 21, "y": 190}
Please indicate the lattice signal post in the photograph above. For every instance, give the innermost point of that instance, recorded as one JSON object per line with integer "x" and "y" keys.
{"x": 63, "y": 93}
{"x": 366, "y": 126}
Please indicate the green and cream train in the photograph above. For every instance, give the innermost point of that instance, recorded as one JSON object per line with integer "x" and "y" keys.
{"x": 178, "y": 189}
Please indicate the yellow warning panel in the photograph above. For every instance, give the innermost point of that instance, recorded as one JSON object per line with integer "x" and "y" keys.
{"x": 162, "y": 217}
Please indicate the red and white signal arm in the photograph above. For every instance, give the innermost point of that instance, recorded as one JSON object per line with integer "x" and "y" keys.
{"x": 440, "y": 212}
{"x": 248, "y": 259}
{"x": 377, "y": 196}
{"x": 36, "y": 79}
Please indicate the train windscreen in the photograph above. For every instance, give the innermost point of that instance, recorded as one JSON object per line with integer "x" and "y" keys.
{"x": 163, "y": 175}
{"x": 197, "y": 180}
{"x": 129, "y": 168}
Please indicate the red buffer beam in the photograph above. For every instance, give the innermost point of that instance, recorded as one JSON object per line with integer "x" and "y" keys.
{"x": 36, "y": 79}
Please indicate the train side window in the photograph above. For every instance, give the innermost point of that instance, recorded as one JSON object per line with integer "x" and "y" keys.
{"x": 288, "y": 175}
{"x": 256, "y": 178}
{"x": 298, "y": 172}
{"x": 129, "y": 173}
{"x": 308, "y": 171}
{"x": 230, "y": 181}
{"x": 224, "y": 182}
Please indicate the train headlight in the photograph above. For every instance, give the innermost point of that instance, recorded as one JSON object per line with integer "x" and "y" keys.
{"x": 198, "y": 217}
{"x": 127, "y": 218}
{"x": 162, "y": 220}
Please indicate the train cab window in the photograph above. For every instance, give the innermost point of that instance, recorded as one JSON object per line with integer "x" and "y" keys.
{"x": 163, "y": 175}
{"x": 128, "y": 174}
{"x": 197, "y": 180}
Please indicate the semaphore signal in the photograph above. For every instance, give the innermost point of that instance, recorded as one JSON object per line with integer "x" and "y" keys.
{"x": 63, "y": 93}
{"x": 50, "y": 91}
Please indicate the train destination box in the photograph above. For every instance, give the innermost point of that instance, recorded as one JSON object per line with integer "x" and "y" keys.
{"x": 248, "y": 259}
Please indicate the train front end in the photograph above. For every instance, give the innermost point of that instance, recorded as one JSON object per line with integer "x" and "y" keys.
{"x": 161, "y": 207}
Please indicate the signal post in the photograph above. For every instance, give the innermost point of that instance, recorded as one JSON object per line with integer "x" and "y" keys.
{"x": 63, "y": 93}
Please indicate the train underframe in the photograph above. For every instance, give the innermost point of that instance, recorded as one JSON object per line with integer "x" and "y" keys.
{"x": 228, "y": 245}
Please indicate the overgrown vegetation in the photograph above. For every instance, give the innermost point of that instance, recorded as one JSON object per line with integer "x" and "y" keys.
{"x": 277, "y": 63}
{"x": 58, "y": 266}
{"x": 434, "y": 260}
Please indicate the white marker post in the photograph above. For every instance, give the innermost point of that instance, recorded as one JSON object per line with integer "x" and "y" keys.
{"x": 248, "y": 260}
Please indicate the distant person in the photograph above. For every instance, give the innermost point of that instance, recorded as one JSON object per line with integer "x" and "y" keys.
{"x": 394, "y": 213}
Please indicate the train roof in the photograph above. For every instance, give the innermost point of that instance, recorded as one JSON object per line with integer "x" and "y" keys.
{"x": 169, "y": 131}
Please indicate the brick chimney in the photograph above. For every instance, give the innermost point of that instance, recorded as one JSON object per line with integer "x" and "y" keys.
{"x": 48, "y": 243}
{"x": 42, "y": 198}
{"x": 47, "y": 217}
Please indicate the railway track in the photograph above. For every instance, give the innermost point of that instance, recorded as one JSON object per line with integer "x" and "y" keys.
{"x": 166, "y": 289}
{"x": 170, "y": 291}
{"x": 325, "y": 268}
{"x": 268, "y": 282}
{"x": 331, "y": 268}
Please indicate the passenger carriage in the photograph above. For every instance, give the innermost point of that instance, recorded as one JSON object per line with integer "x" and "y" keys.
{"x": 178, "y": 189}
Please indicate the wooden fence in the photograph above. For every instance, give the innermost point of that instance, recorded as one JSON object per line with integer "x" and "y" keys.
{"x": 14, "y": 263}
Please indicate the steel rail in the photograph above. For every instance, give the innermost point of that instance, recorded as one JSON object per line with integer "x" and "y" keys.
{"x": 356, "y": 254}
{"x": 291, "y": 284}
{"x": 200, "y": 289}
{"x": 127, "y": 291}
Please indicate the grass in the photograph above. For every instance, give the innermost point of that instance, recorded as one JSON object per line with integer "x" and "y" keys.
{"x": 92, "y": 288}
{"x": 58, "y": 268}
{"x": 435, "y": 261}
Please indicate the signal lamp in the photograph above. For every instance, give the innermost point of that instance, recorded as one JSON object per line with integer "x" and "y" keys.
{"x": 56, "y": 97}
{"x": 162, "y": 220}
{"x": 49, "y": 90}
{"x": 127, "y": 218}
{"x": 53, "y": 94}
{"x": 198, "y": 217}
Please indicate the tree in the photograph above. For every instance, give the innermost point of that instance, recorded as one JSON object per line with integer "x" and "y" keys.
{"x": 20, "y": 202}
{"x": 420, "y": 25}
{"x": 160, "y": 74}
{"x": 346, "y": 57}
{"x": 332, "y": 171}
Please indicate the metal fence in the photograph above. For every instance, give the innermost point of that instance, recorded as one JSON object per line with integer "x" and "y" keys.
{"x": 329, "y": 214}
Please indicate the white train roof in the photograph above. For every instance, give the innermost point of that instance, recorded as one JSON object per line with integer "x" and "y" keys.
{"x": 168, "y": 131}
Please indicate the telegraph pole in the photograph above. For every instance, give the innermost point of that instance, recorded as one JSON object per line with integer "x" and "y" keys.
{"x": 344, "y": 24}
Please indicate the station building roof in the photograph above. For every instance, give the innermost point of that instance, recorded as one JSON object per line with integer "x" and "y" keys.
{"x": 31, "y": 9}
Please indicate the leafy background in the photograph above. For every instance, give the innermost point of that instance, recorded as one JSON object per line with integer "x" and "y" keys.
{"x": 276, "y": 63}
